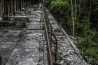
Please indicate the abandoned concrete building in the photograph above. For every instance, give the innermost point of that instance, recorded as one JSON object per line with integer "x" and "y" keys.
{"x": 30, "y": 35}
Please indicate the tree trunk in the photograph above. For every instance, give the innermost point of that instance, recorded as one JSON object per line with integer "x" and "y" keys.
{"x": 72, "y": 18}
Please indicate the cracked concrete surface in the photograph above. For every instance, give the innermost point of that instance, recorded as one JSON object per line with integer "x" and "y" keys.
{"x": 28, "y": 46}
{"x": 26, "y": 50}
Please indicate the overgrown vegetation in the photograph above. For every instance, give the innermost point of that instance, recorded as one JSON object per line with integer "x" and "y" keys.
{"x": 79, "y": 18}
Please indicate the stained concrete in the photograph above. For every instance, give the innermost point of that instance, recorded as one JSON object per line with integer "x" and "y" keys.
{"x": 28, "y": 45}
{"x": 23, "y": 47}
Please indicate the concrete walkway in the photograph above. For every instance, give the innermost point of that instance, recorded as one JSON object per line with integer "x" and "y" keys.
{"x": 30, "y": 49}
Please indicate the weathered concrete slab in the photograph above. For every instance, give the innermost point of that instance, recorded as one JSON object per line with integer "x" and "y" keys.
{"x": 68, "y": 50}
{"x": 30, "y": 48}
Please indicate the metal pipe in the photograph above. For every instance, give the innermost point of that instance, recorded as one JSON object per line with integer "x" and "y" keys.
{"x": 50, "y": 33}
{"x": 56, "y": 45}
{"x": 47, "y": 38}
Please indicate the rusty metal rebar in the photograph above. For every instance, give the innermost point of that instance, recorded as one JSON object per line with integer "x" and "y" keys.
{"x": 49, "y": 37}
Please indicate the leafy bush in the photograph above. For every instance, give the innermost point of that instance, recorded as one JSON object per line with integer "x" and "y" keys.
{"x": 85, "y": 19}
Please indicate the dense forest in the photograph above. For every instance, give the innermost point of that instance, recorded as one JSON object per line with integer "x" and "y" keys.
{"x": 79, "y": 19}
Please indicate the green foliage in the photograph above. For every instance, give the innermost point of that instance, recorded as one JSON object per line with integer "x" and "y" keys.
{"x": 60, "y": 9}
{"x": 85, "y": 15}
{"x": 86, "y": 40}
{"x": 92, "y": 52}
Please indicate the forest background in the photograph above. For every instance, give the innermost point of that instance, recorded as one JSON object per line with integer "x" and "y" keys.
{"x": 79, "y": 18}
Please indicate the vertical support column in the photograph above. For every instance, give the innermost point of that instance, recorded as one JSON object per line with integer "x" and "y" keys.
{"x": 0, "y": 7}
{"x": 29, "y": 3}
{"x": 32, "y": 2}
{"x": 10, "y": 7}
{"x": 5, "y": 15}
{"x": 23, "y": 3}
{"x": 20, "y": 5}
{"x": 13, "y": 8}
{"x": 5, "y": 8}
{"x": 16, "y": 6}
{"x": 26, "y": 3}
